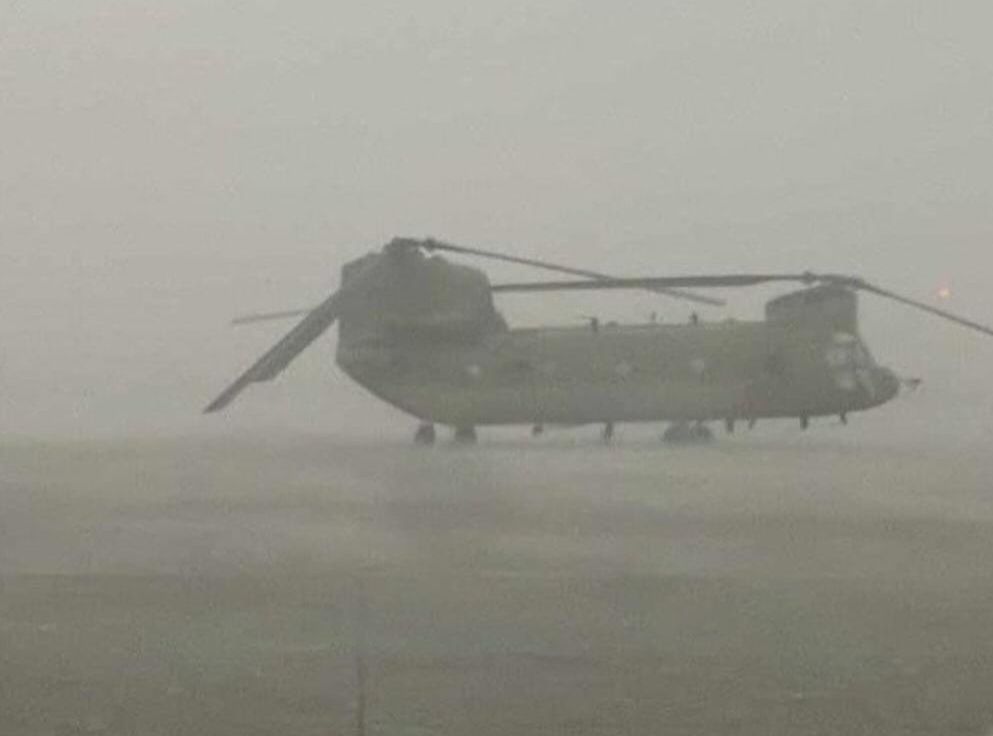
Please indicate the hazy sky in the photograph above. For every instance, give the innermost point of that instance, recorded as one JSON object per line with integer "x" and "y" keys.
{"x": 164, "y": 166}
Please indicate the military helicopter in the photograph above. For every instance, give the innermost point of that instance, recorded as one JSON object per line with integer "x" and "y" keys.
{"x": 423, "y": 334}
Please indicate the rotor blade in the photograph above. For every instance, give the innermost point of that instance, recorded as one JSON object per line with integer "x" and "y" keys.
{"x": 269, "y": 316}
{"x": 315, "y": 324}
{"x": 709, "y": 282}
{"x": 886, "y": 294}
{"x": 435, "y": 245}
{"x": 282, "y": 353}
{"x": 739, "y": 280}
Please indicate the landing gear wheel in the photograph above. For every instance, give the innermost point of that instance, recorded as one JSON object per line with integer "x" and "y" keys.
{"x": 425, "y": 435}
{"x": 608, "y": 433}
{"x": 702, "y": 433}
{"x": 685, "y": 433}
{"x": 465, "y": 436}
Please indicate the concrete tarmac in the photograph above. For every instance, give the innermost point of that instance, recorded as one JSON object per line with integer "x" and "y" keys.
{"x": 750, "y": 587}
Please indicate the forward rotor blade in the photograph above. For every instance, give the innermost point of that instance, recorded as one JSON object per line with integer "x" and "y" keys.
{"x": 282, "y": 353}
{"x": 740, "y": 280}
{"x": 709, "y": 282}
{"x": 435, "y": 245}
{"x": 886, "y": 294}
{"x": 269, "y": 316}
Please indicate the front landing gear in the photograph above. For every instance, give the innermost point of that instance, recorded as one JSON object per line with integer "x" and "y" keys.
{"x": 465, "y": 436}
{"x": 685, "y": 433}
{"x": 425, "y": 435}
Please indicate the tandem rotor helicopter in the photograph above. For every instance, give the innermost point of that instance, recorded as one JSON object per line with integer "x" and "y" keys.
{"x": 424, "y": 335}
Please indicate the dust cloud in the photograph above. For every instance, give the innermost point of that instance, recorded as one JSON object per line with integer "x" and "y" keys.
{"x": 165, "y": 168}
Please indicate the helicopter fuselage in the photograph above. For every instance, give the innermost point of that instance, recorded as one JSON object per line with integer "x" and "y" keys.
{"x": 641, "y": 373}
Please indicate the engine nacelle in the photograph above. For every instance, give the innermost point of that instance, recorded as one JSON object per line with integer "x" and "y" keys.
{"x": 412, "y": 297}
{"x": 829, "y": 306}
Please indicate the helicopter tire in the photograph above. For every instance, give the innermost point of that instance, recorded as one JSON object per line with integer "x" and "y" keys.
{"x": 687, "y": 433}
{"x": 425, "y": 435}
{"x": 702, "y": 433}
{"x": 607, "y": 435}
{"x": 465, "y": 436}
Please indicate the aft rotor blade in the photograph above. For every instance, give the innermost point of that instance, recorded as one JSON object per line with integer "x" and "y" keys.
{"x": 282, "y": 353}
{"x": 435, "y": 245}
{"x": 248, "y": 319}
{"x": 315, "y": 324}
{"x": 886, "y": 294}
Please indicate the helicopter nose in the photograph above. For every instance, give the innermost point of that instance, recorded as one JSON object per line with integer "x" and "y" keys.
{"x": 887, "y": 384}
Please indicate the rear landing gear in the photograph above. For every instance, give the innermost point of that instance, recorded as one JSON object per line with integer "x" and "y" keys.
{"x": 425, "y": 435}
{"x": 608, "y": 433}
{"x": 465, "y": 436}
{"x": 684, "y": 433}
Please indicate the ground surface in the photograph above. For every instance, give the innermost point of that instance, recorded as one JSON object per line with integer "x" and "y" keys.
{"x": 560, "y": 588}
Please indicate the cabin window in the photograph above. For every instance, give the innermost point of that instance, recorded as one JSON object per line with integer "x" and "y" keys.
{"x": 847, "y": 359}
{"x": 624, "y": 369}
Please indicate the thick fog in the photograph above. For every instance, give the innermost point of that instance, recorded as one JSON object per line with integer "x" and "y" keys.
{"x": 165, "y": 167}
